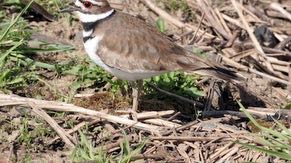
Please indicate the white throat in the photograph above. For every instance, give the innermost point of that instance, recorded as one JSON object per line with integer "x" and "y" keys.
{"x": 89, "y": 18}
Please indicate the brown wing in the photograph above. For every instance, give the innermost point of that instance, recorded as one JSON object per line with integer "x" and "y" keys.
{"x": 133, "y": 45}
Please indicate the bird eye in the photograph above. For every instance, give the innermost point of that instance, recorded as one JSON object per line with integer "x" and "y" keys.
{"x": 87, "y": 4}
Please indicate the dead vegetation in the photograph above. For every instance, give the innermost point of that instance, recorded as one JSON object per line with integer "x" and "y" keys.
{"x": 252, "y": 37}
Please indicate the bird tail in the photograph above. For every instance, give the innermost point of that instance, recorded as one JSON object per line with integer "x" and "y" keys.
{"x": 221, "y": 73}
{"x": 211, "y": 68}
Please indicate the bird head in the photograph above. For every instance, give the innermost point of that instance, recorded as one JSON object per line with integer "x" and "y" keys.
{"x": 89, "y": 10}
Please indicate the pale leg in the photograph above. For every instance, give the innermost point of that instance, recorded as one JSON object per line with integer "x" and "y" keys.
{"x": 136, "y": 88}
{"x": 134, "y": 103}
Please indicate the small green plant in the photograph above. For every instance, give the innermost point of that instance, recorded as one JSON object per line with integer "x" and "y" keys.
{"x": 85, "y": 151}
{"x": 127, "y": 152}
{"x": 176, "y": 82}
{"x": 160, "y": 23}
{"x": 25, "y": 136}
{"x": 88, "y": 74}
{"x": 274, "y": 142}
{"x": 41, "y": 131}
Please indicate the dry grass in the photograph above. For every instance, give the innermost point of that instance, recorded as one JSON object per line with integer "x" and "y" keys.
{"x": 168, "y": 128}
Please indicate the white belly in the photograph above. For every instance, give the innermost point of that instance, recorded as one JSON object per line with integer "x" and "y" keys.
{"x": 92, "y": 44}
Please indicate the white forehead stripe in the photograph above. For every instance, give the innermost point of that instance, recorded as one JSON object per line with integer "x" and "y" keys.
{"x": 96, "y": 3}
{"x": 79, "y": 4}
{"x": 88, "y": 18}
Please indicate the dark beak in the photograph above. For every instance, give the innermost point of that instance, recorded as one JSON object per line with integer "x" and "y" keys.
{"x": 71, "y": 8}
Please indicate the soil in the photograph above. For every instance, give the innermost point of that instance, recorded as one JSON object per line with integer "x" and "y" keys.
{"x": 209, "y": 139}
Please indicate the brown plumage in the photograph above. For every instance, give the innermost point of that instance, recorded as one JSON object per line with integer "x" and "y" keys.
{"x": 132, "y": 46}
{"x": 136, "y": 46}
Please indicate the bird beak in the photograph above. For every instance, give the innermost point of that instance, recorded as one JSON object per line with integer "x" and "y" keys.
{"x": 70, "y": 9}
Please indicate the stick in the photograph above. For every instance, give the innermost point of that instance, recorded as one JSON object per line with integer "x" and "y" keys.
{"x": 152, "y": 114}
{"x": 191, "y": 139}
{"x": 161, "y": 122}
{"x": 173, "y": 20}
{"x": 245, "y": 68}
{"x": 188, "y": 125}
{"x": 251, "y": 34}
{"x": 278, "y": 7}
{"x": 60, "y": 131}
{"x": 64, "y": 107}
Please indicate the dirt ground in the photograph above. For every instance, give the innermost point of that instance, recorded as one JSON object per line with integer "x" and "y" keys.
{"x": 172, "y": 129}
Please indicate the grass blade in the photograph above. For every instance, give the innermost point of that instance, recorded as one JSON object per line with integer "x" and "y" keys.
{"x": 14, "y": 21}
{"x": 6, "y": 54}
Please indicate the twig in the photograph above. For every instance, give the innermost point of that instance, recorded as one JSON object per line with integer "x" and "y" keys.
{"x": 110, "y": 118}
{"x": 217, "y": 154}
{"x": 60, "y": 131}
{"x": 152, "y": 114}
{"x": 269, "y": 112}
{"x": 283, "y": 43}
{"x": 251, "y": 34}
{"x": 188, "y": 125}
{"x": 156, "y": 157}
{"x": 278, "y": 7}
{"x": 180, "y": 138}
{"x": 161, "y": 122}
{"x": 116, "y": 145}
{"x": 245, "y": 68}
{"x": 230, "y": 153}
{"x": 173, "y": 20}
{"x": 76, "y": 128}
{"x": 213, "y": 19}
{"x": 197, "y": 30}
{"x": 57, "y": 106}
{"x": 222, "y": 113}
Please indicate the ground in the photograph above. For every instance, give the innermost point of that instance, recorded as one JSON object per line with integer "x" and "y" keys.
{"x": 58, "y": 106}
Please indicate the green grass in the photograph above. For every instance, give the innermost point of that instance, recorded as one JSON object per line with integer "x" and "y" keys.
{"x": 28, "y": 134}
{"x": 53, "y": 6}
{"x": 127, "y": 152}
{"x": 85, "y": 151}
{"x": 25, "y": 136}
{"x": 274, "y": 142}
{"x": 19, "y": 69}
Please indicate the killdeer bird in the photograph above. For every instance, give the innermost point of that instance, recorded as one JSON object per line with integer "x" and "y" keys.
{"x": 130, "y": 49}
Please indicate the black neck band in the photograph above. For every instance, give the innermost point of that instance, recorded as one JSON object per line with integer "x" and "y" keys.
{"x": 88, "y": 26}
{"x": 87, "y": 38}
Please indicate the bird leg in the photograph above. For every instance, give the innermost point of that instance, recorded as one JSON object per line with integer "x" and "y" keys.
{"x": 136, "y": 88}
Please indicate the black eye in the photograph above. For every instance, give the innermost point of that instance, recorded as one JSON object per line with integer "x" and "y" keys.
{"x": 87, "y": 4}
